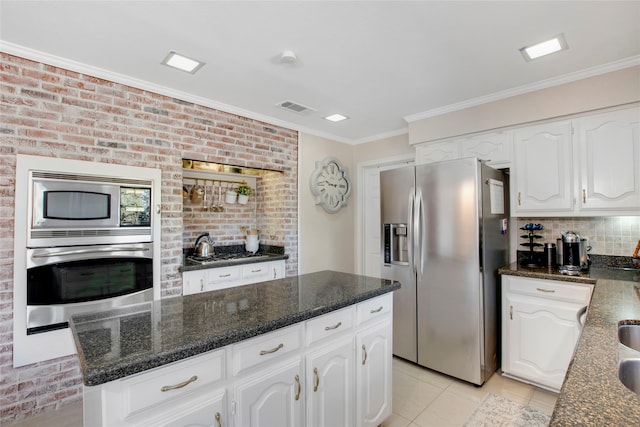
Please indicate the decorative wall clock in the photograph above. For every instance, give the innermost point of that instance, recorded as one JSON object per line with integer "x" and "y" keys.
{"x": 330, "y": 184}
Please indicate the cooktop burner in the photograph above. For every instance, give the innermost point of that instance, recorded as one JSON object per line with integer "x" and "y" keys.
{"x": 232, "y": 256}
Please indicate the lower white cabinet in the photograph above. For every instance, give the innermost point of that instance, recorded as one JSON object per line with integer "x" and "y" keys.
{"x": 211, "y": 279}
{"x": 541, "y": 324}
{"x": 373, "y": 373}
{"x": 330, "y": 371}
{"x": 272, "y": 397}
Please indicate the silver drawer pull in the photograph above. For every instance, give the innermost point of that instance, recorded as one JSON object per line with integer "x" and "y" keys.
{"x": 545, "y": 290}
{"x": 364, "y": 354}
{"x": 377, "y": 310}
{"x": 224, "y": 275}
{"x": 273, "y": 350}
{"x": 256, "y": 271}
{"x": 329, "y": 328}
{"x": 317, "y": 381}
{"x": 183, "y": 384}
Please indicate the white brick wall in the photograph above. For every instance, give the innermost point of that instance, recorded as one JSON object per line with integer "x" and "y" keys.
{"x": 49, "y": 111}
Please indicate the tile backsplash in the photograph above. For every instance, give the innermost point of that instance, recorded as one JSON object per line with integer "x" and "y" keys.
{"x": 617, "y": 235}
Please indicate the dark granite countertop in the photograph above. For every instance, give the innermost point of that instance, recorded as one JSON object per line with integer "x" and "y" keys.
{"x": 116, "y": 343}
{"x": 592, "y": 394}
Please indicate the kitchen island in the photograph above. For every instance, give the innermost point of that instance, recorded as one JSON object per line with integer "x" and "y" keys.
{"x": 122, "y": 352}
{"x": 592, "y": 394}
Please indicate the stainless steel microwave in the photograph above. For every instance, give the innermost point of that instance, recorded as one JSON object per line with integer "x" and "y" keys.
{"x": 71, "y": 209}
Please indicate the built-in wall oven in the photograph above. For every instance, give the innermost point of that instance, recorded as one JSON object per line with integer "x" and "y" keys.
{"x": 89, "y": 246}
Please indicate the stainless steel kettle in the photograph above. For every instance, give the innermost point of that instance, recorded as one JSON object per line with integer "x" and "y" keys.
{"x": 204, "y": 248}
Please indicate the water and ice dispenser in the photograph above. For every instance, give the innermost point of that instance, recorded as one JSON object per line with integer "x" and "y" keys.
{"x": 395, "y": 244}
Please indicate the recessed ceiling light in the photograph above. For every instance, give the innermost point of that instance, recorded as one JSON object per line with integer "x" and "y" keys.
{"x": 336, "y": 118}
{"x": 546, "y": 47}
{"x": 181, "y": 62}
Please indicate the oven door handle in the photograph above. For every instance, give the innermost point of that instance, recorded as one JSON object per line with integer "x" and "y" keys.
{"x": 90, "y": 251}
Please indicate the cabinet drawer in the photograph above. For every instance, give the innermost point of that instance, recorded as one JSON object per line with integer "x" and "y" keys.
{"x": 550, "y": 289}
{"x": 262, "y": 349}
{"x": 145, "y": 390}
{"x": 375, "y": 308}
{"x": 222, "y": 276}
{"x": 258, "y": 272}
{"x": 330, "y": 324}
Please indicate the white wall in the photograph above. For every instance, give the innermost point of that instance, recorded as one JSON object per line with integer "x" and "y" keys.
{"x": 603, "y": 91}
{"x": 326, "y": 241}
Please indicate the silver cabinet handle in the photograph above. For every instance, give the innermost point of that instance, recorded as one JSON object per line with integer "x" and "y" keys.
{"x": 158, "y": 209}
{"x": 364, "y": 354}
{"x": 201, "y": 284}
{"x": 274, "y": 273}
{"x": 297, "y": 378}
{"x": 273, "y": 350}
{"x": 545, "y": 290}
{"x": 256, "y": 271}
{"x": 182, "y": 384}
{"x": 218, "y": 419}
{"x": 224, "y": 275}
{"x": 329, "y": 328}
{"x": 377, "y": 310}
{"x": 317, "y": 380}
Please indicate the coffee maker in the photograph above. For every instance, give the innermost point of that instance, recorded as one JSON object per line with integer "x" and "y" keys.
{"x": 572, "y": 257}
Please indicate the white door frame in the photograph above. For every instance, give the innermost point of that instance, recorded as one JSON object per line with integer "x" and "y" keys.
{"x": 362, "y": 168}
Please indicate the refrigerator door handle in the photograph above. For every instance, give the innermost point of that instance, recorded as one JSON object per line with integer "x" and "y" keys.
{"x": 412, "y": 233}
{"x": 419, "y": 233}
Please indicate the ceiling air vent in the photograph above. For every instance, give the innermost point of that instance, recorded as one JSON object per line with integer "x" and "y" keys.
{"x": 294, "y": 106}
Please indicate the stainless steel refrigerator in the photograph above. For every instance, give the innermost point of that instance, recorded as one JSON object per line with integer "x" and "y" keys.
{"x": 444, "y": 237}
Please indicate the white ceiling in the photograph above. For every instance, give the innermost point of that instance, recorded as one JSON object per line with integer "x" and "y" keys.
{"x": 377, "y": 62}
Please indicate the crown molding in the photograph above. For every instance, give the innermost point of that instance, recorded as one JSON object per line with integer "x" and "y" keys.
{"x": 79, "y": 67}
{"x": 544, "y": 84}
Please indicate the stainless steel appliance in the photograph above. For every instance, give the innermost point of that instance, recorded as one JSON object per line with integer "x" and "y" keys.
{"x": 574, "y": 253}
{"x": 74, "y": 209}
{"x": 444, "y": 237}
{"x": 72, "y": 279}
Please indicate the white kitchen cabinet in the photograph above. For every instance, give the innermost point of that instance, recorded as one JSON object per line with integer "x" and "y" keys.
{"x": 330, "y": 375}
{"x": 331, "y": 370}
{"x": 541, "y": 324}
{"x": 608, "y": 149}
{"x": 330, "y": 380}
{"x": 431, "y": 152}
{"x": 373, "y": 361}
{"x": 211, "y": 279}
{"x": 492, "y": 148}
{"x": 542, "y": 170}
{"x": 272, "y": 397}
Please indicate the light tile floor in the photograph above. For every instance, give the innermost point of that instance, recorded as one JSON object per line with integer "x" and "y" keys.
{"x": 424, "y": 398}
{"x": 421, "y": 398}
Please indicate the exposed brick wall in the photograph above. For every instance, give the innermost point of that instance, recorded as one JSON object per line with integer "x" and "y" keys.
{"x": 49, "y": 111}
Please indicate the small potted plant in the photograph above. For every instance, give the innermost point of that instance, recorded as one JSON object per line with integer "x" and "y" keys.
{"x": 243, "y": 193}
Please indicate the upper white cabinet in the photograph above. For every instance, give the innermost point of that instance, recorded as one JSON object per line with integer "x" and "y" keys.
{"x": 541, "y": 176}
{"x": 493, "y": 148}
{"x": 436, "y": 152}
{"x": 588, "y": 166}
{"x": 608, "y": 150}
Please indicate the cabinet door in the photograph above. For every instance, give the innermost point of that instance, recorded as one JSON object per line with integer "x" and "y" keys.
{"x": 541, "y": 336}
{"x": 204, "y": 411}
{"x": 609, "y": 153}
{"x": 331, "y": 385}
{"x": 373, "y": 374}
{"x": 278, "y": 269}
{"x": 493, "y": 148}
{"x": 541, "y": 177}
{"x": 274, "y": 397}
{"x": 430, "y": 152}
{"x": 194, "y": 282}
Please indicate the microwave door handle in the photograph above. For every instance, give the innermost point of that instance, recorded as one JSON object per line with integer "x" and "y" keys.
{"x": 90, "y": 251}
